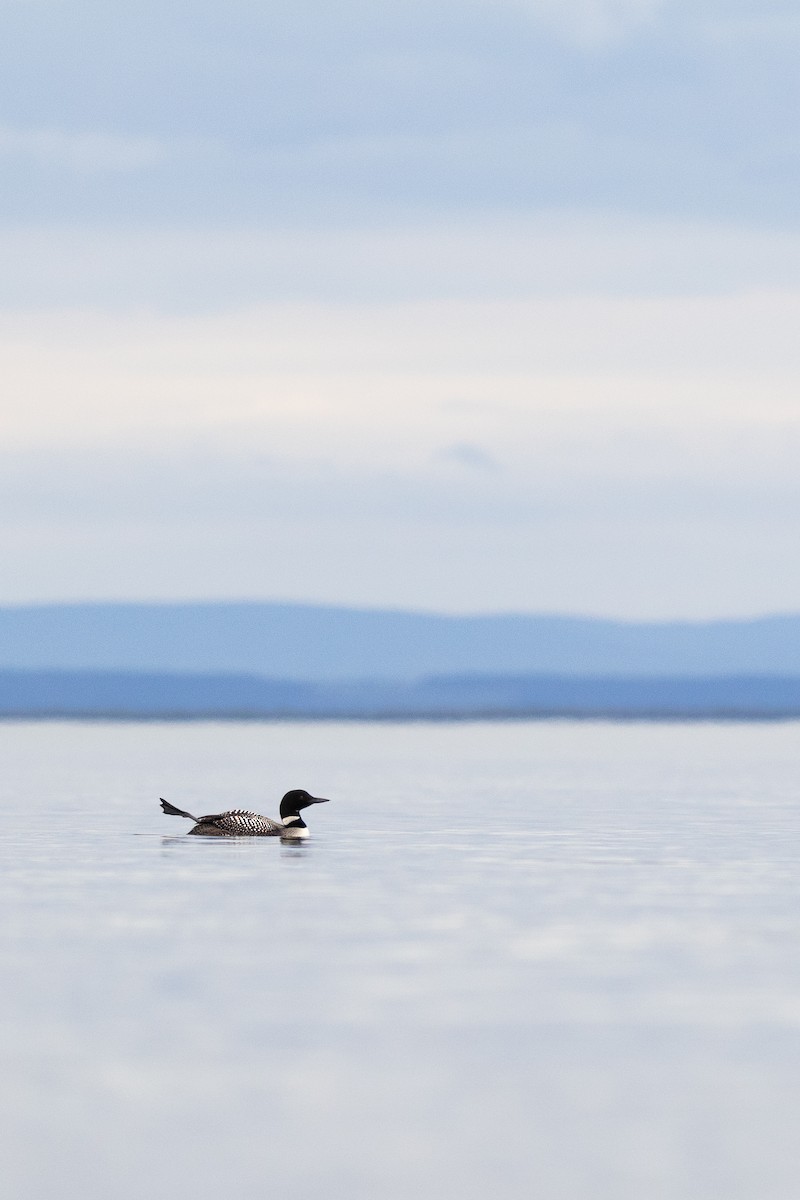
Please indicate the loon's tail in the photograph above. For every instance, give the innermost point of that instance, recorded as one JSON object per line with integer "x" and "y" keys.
{"x": 172, "y": 811}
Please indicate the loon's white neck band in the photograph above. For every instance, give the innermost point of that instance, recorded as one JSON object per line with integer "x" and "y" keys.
{"x": 291, "y": 820}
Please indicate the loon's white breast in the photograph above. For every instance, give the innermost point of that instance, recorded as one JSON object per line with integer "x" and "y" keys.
{"x": 294, "y": 829}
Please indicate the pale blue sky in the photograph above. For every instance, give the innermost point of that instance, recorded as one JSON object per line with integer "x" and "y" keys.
{"x": 475, "y": 306}
{"x": 252, "y": 112}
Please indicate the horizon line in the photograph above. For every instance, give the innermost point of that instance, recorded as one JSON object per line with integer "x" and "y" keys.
{"x": 395, "y": 610}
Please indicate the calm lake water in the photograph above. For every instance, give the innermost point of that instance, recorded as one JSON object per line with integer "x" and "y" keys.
{"x": 515, "y": 960}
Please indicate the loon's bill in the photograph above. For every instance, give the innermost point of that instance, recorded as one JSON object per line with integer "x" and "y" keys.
{"x": 239, "y": 822}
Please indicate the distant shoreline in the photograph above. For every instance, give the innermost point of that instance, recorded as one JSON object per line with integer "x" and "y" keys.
{"x": 609, "y": 718}
{"x": 335, "y": 645}
{"x": 156, "y": 696}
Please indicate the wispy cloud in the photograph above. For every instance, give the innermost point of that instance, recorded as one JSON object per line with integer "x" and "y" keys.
{"x": 208, "y": 268}
{"x": 593, "y": 22}
{"x": 468, "y": 454}
{"x": 86, "y": 152}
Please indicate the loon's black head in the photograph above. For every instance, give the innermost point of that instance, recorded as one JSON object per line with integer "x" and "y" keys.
{"x": 293, "y": 801}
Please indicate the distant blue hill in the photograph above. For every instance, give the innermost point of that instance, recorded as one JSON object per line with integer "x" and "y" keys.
{"x": 147, "y": 695}
{"x": 307, "y": 642}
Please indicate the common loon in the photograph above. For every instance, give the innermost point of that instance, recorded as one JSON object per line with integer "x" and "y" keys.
{"x": 238, "y": 822}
